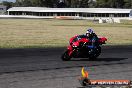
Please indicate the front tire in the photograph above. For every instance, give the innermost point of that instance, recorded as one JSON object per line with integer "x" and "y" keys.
{"x": 65, "y": 56}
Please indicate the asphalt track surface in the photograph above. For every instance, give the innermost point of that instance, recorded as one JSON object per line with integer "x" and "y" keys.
{"x": 43, "y": 68}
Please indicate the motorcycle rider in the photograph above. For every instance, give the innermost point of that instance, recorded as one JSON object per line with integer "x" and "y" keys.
{"x": 92, "y": 37}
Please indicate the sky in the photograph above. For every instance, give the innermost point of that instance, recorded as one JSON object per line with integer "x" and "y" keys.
{"x": 8, "y": 0}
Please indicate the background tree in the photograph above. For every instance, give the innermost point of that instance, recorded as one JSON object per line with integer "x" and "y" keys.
{"x": 60, "y": 5}
{"x": 127, "y": 3}
{"x": 76, "y": 3}
{"x": 8, "y": 4}
{"x": 84, "y": 3}
{"x": 110, "y": 3}
{"x": 92, "y": 4}
{"x": 36, "y": 3}
{"x": 80, "y": 3}
{"x": 24, "y": 3}
{"x": 101, "y": 3}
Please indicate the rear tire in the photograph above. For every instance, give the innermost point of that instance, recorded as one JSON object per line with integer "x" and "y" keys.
{"x": 65, "y": 56}
{"x": 97, "y": 53}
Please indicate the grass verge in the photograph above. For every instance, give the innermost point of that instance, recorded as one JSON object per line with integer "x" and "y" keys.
{"x": 37, "y": 33}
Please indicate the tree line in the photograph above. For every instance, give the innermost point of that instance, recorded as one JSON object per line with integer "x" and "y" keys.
{"x": 70, "y": 3}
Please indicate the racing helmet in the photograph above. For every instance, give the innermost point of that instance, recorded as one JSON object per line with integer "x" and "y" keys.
{"x": 89, "y": 32}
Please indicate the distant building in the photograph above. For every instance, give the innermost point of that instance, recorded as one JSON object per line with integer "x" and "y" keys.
{"x": 72, "y": 12}
{"x": 130, "y": 15}
{"x": 2, "y": 10}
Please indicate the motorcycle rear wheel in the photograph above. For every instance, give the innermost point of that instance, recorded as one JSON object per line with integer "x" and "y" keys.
{"x": 94, "y": 56}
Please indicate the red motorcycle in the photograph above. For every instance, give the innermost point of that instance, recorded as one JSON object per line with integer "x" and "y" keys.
{"x": 80, "y": 47}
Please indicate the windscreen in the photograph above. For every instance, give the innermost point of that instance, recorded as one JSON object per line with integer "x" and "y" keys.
{"x": 79, "y": 37}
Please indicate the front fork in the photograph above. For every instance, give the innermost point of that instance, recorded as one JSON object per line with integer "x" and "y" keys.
{"x": 72, "y": 52}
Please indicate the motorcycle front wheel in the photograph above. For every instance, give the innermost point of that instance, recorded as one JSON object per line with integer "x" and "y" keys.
{"x": 65, "y": 56}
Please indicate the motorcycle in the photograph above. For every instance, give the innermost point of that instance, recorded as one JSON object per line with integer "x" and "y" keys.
{"x": 80, "y": 48}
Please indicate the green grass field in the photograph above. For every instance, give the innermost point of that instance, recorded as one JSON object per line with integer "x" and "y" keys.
{"x": 29, "y": 33}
